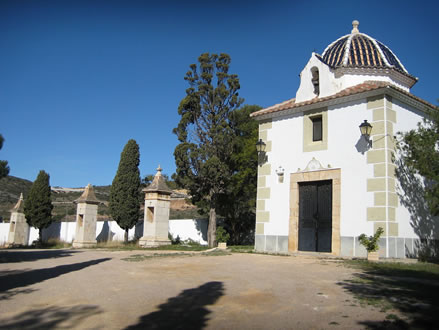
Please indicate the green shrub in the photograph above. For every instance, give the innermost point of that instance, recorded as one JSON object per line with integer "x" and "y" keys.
{"x": 371, "y": 242}
{"x": 222, "y": 236}
{"x": 191, "y": 242}
{"x": 174, "y": 241}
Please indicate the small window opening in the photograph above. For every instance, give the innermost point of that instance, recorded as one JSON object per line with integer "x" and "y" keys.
{"x": 315, "y": 80}
{"x": 150, "y": 214}
{"x": 12, "y": 228}
{"x": 80, "y": 220}
{"x": 317, "y": 128}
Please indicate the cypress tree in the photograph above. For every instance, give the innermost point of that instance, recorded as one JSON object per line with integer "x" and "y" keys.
{"x": 125, "y": 189}
{"x": 38, "y": 204}
{"x": 4, "y": 168}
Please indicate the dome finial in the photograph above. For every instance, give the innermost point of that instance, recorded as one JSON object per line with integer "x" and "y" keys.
{"x": 355, "y": 24}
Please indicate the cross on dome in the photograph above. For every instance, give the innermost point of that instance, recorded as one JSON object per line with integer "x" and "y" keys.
{"x": 355, "y": 24}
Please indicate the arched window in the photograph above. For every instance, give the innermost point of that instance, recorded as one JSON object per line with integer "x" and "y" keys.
{"x": 315, "y": 80}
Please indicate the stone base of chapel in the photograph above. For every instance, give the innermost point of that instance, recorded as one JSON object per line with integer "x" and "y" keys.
{"x": 84, "y": 244}
{"x": 147, "y": 242}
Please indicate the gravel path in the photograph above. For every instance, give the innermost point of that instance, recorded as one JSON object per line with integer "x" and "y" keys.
{"x": 94, "y": 289}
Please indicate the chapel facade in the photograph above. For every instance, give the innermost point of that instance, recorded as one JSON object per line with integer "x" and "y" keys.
{"x": 320, "y": 182}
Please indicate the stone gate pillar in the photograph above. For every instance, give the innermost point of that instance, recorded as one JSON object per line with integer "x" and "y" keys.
{"x": 86, "y": 215}
{"x": 18, "y": 227}
{"x": 156, "y": 218}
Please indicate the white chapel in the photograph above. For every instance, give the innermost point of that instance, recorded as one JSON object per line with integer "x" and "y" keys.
{"x": 321, "y": 182}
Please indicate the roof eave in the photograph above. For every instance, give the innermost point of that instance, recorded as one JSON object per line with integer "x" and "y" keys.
{"x": 423, "y": 106}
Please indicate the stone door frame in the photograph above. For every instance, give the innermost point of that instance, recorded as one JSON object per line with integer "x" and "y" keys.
{"x": 318, "y": 175}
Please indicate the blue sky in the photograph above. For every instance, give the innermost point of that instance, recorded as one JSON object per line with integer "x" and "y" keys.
{"x": 78, "y": 79}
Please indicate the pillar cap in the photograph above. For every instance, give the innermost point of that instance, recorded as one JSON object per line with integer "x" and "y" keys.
{"x": 158, "y": 184}
{"x": 88, "y": 196}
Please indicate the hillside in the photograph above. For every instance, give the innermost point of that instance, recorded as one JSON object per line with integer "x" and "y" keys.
{"x": 65, "y": 210}
{"x": 10, "y": 189}
{"x": 63, "y": 207}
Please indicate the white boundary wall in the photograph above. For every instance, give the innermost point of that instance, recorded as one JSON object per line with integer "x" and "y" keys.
{"x": 194, "y": 229}
{"x": 4, "y": 231}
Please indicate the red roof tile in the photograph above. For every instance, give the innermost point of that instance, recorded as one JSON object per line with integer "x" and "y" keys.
{"x": 361, "y": 88}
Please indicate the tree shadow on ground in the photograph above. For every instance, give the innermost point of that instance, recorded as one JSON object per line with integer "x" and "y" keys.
{"x": 186, "y": 311}
{"x": 412, "y": 293}
{"x": 11, "y": 256}
{"x": 9, "y": 281}
{"x": 50, "y": 317}
{"x": 411, "y": 193}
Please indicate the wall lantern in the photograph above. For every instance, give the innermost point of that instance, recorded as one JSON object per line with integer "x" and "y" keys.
{"x": 366, "y": 130}
{"x": 260, "y": 148}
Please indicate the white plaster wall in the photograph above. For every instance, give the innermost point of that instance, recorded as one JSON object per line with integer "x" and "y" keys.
{"x": 195, "y": 229}
{"x": 118, "y": 234}
{"x": 328, "y": 85}
{"x": 4, "y": 232}
{"x": 68, "y": 230}
{"x": 343, "y": 136}
{"x": 287, "y": 151}
{"x": 286, "y": 136}
{"x": 332, "y": 82}
{"x": 65, "y": 231}
{"x": 407, "y": 118}
{"x": 33, "y": 235}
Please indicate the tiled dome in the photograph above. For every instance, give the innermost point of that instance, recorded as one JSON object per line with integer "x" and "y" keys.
{"x": 358, "y": 50}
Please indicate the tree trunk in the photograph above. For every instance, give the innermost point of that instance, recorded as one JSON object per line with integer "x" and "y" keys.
{"x": 40, "y": 236}
{"x": 126, "y": 236}
{"x": 211, "y": 231}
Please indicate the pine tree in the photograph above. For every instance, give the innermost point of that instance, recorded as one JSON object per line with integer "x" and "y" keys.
{"x": 205, "y": 135}
{"x": 238, "y": 203}
{"x": 125, "y": 189}
{"x": 38, "y": 204}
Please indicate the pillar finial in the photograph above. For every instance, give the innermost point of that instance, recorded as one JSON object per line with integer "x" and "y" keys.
{"x": 19, "y": 207}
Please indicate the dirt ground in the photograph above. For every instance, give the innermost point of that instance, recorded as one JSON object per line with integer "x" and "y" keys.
{"x": 96, "y": 289}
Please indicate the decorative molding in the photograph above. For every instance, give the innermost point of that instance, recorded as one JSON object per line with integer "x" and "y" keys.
{"x": 314, "y": 165}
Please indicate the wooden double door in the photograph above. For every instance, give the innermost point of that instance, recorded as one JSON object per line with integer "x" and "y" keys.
{"x": 315, "y": 216}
